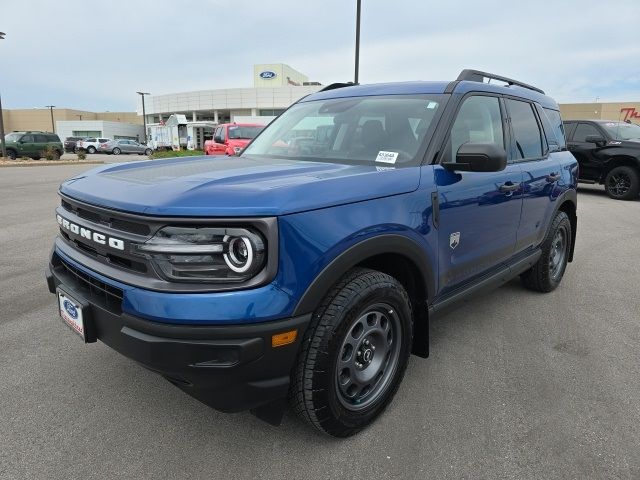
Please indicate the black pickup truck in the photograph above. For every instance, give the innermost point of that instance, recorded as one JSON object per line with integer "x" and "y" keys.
{"x": 608, "y": 153}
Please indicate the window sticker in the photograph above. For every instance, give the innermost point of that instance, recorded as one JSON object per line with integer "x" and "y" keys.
{"x": 387, "y": 157}
{"x": 432, "y": 105}
{"x": 384, "y": 169}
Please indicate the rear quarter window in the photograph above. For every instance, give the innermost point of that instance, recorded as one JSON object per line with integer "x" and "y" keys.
{"x": 52, "y": 138}
{"x": 557, "y": 127}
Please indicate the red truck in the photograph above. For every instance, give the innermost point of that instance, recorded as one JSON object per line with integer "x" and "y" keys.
{"x": 231, "y": 138}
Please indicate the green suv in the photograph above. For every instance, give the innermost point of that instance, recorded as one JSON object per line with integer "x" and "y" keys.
{"x": 32, "y": 144}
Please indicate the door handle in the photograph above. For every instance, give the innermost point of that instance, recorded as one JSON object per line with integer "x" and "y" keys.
{"x": 553, "y": 177}
{"x": 509, "y": 187}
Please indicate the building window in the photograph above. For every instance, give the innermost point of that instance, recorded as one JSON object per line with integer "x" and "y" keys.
{"x": 87, "y": 133}
{"x": 271, "y": 112}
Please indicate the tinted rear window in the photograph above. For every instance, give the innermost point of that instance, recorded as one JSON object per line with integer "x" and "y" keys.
{"x": 52, "y": 138}
{"x": 556, "y": 126}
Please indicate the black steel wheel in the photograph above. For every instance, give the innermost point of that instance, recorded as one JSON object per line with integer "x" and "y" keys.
{"x": 354, "y": 353}
{"x": 548, "y": 271}
{"x": 622, "y": 183}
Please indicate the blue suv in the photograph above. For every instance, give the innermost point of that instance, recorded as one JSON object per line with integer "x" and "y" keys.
{"x": 307, "y": 269}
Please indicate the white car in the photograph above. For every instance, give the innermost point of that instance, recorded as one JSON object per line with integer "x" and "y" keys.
{"x": 91, "y": 144}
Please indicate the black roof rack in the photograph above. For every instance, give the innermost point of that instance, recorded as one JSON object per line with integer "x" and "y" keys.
{"x": 478, "y": 76}
{"x": 333, "y": 86}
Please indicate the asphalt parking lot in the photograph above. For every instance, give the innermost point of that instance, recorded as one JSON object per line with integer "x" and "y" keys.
{"x": 519, "y": 385}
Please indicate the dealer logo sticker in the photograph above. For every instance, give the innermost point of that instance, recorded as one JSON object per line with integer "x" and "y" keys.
{"x": 267, "y": 75}
{"x": 454, "y": 240}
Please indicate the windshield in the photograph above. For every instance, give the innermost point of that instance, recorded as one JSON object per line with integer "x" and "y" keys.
{"x": 358, "y": 130}
{"x": 622, "y": 131}
{"x": 238, "y": 131}
{"x": 12, "y": 137}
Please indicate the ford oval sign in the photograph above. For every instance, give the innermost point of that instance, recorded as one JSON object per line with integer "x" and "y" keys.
{"x": 267, "y": 75}
{"x": 71, "y": 309}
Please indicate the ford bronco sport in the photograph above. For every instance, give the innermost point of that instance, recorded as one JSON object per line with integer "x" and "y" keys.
{"x": 309, "y": 267}
{"x": 32, "y": 144}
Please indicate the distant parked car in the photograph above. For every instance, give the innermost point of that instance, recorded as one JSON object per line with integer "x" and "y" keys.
{"x": 32, "y": 144}
{"x": 70, "y": 143}
{"x": 91, "y": 144}
{"x": 116, "y": 147}
{"x": 231, "y": 138}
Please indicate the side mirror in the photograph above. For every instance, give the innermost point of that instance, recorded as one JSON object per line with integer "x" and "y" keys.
{"x": 217, "y": 139}
{"x": 597, "y": 139}
{"x": 479, "y": 157}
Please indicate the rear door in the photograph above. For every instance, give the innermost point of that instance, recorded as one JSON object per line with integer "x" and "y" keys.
{"x": 41, "y": 143}
{"x": 587, "y": 153}
{"x": 479, "y": 211}
{"x": 540, "y": 169}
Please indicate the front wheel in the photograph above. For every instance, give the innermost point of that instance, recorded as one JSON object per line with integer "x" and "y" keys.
{"x": 116, "y": 151}
{"x": 148, "y": 152}
{"x": 622, "y": 183}
{"x": 548, "y": 271}
{"x": 91, "y": 150}
{"x": 354, "y": 353}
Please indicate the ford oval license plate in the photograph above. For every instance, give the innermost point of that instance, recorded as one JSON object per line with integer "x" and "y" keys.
{"x": 71, "y": 313}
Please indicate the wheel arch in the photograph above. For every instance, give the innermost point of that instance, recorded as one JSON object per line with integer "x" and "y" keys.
{"x": 619, "y": 161}
{"x": 393, "y": 254}
{"x": 568, "y": 204}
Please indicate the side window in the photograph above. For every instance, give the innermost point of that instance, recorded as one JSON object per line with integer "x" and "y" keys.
{"x": 569, "y": 127}
{"x": 40, "y": 138}
{"x": 556, "y": 126}
{"x": 27, "y": 139}
{"x": 478, "y": 121}
{"x": 218, "y": 132}
{"x": 526, "y": 131}
{"x": 584, "y": 130}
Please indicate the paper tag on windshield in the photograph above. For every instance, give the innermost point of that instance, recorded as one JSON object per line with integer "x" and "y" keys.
{"x": 387, "y": 157}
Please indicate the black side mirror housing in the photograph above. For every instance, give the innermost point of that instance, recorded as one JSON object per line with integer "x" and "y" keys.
{"x": 597, "y": 139}
{"x": 479, "y": 157}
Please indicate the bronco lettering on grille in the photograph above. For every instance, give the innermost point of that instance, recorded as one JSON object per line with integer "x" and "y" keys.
{"x": 96, "y": 237}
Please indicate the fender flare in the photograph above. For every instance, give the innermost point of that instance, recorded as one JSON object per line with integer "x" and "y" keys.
{"x": 571, "y": 196}
{"x": 361, "y": 251}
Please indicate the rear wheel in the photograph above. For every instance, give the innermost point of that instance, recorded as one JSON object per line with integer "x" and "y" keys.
{"x": 548, "y": 271}
{"x": 622, "y": 183}
{"x": 116, "y": 151}
{"x": 148, "y": 152}
{"x": 354, "y": 353}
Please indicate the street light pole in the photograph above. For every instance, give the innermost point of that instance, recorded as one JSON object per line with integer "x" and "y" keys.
{"x": 355, "y": 80}
{"x": 51, "y": 107}
{"x": 3, "y": 150}
{"x": 144, "y": 115}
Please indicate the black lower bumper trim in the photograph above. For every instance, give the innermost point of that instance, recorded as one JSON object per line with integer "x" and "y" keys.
{"x": 230, "y": 368}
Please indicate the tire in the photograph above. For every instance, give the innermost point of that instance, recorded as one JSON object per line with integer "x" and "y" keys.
{"x": 339, "y": 383}
{"x": 116, "y": 151}
{"x": 36, "y": 157}
{"x": 58, "y": 154}
{"x": 76, "y": 150}
{"x": 148, "y": 152}
{"x": 91, "y": 150}
{"x": 622, "y": 183}
{"x": 11, "y": 154}
{"x": 547, "y": 273}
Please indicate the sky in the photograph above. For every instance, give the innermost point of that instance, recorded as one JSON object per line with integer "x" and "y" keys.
{"x": 94, "y": 55}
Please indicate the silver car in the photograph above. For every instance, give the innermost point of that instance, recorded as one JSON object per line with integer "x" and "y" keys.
{"x": 117, "y": 147}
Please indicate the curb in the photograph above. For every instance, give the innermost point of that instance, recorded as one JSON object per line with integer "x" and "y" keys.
{"x": 51, "y": 163}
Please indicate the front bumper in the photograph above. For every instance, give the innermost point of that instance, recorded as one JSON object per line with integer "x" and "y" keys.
{"x": 228, "y": 367}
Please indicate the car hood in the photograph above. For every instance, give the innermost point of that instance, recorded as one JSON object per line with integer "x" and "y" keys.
{"x": 234, "y": 186}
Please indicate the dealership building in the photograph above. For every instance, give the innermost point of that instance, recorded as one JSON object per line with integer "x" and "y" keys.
{"x": 275, "y": 87}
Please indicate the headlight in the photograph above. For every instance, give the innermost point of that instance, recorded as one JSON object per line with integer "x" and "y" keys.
{"x": 207, "y": 254}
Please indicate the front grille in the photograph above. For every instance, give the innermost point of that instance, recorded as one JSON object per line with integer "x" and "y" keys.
{"x": 91, "y": 288}
{"x": 108, "y": 219}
